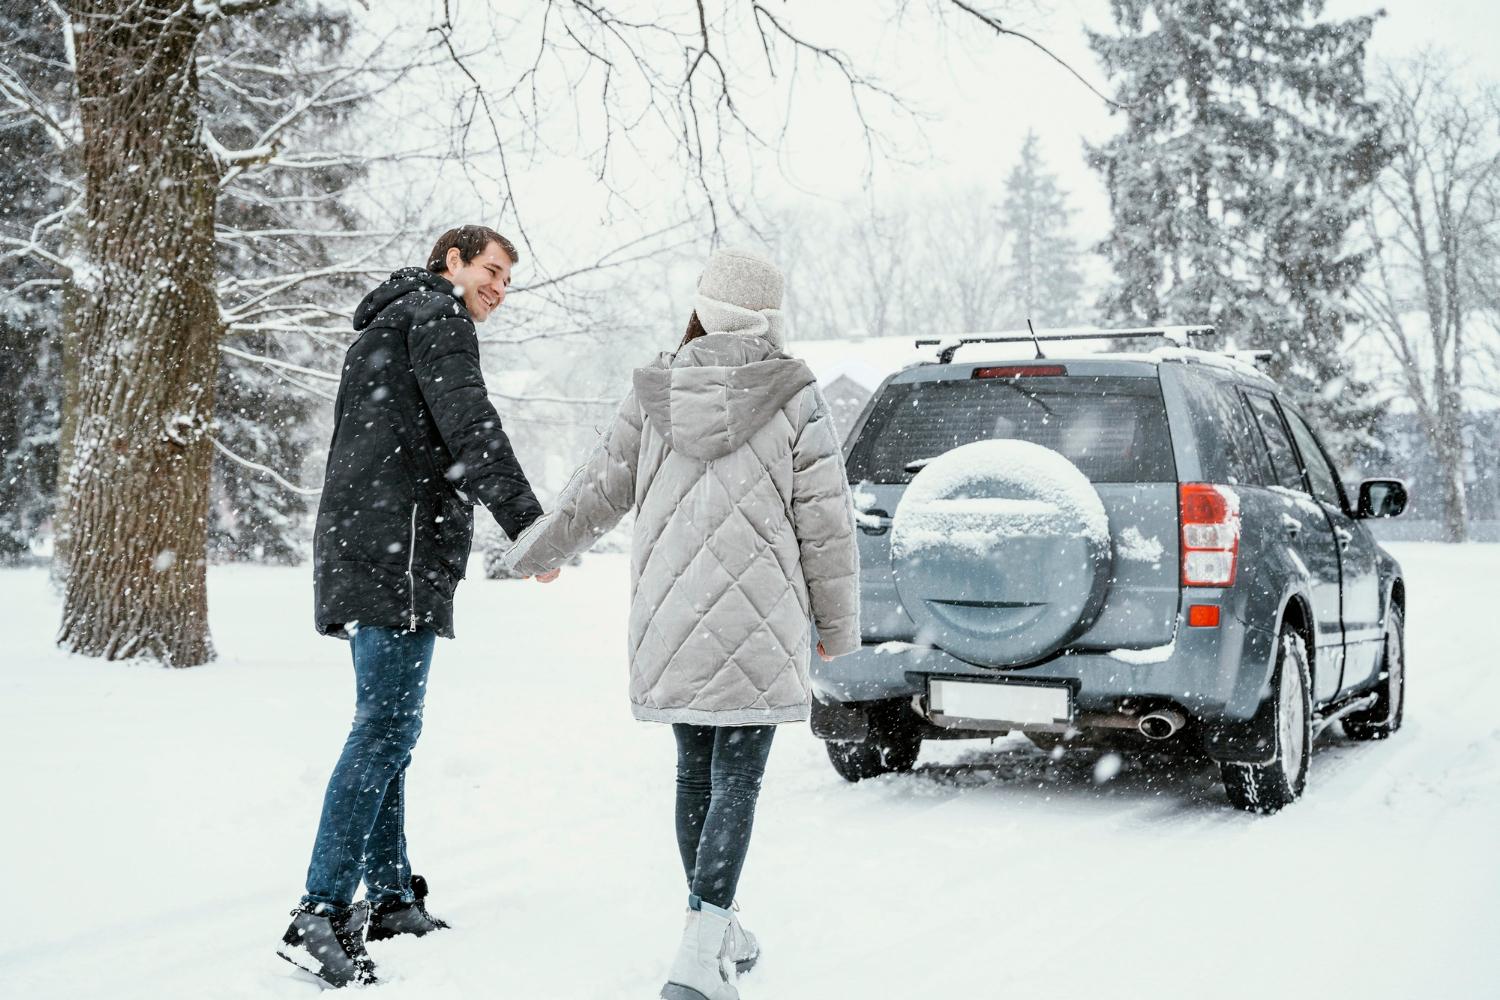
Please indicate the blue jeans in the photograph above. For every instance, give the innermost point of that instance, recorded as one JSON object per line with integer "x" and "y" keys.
{"x": 718, "y": 781}
{"x": 362, "y": 834}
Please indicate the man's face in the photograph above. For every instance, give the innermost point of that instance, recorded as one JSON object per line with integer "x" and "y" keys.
{"x": 482, "y": 281}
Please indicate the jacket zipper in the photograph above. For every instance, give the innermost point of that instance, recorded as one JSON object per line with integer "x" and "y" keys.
{"x": 411, "y": 557}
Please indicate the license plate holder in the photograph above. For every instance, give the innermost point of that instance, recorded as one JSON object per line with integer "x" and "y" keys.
{"x": 1038, "y": 706}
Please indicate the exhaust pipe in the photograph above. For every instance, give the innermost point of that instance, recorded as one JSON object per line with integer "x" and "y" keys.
{"x": 1161, "y": 725}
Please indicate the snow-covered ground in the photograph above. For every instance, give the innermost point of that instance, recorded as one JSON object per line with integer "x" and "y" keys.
{"x": 156, "y": 827}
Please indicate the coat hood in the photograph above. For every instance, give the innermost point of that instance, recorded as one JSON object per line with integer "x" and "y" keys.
{"x": 713, "y": 394}
{"x": 402, "y": 282}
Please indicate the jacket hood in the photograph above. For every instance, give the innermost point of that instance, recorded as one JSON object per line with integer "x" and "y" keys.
{"x": 402, "y": 282}
{"x": 715, "y": 393}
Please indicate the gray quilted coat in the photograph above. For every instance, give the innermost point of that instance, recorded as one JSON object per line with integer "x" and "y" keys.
{"x": 744, "y": 532}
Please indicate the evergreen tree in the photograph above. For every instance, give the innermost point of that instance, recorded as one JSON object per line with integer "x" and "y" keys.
{"x": 275, "y": 223}
{"x": 32, "y": 188}
{"x": 1248, "y": 148}
{"x": 30, "y": 380}
{"x": 1043, "y": 282}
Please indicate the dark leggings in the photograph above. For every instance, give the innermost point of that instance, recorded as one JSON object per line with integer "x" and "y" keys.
{"x": 718, "y": 779}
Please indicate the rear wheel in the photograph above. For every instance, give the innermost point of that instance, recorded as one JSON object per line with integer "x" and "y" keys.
{"x": 1384, "y": 717}
{"x": 1268, "y": 788}
{"x": 891, "y": 746}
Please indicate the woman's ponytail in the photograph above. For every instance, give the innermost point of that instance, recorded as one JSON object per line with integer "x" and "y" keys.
{"x": 694, "y": 330}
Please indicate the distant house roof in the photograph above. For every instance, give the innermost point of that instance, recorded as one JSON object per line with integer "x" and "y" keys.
{"x": 846, "y": 384}
{"x": 863, "y": 374}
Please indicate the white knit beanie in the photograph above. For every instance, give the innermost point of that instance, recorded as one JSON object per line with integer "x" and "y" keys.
{"x": 740, "y": 292}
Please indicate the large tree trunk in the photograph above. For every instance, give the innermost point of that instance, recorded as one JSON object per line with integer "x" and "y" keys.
{"x": 138, "y": 483}
{"x": 1455, "y": 503}
{"x": 1450, "y": 456}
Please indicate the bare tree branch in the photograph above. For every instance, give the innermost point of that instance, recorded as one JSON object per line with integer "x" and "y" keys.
{"x": 992, "y": 21}
{"x": 281, "y": 480}
{"x": 278, "y": 363}
{"x": 482, "y": 100}
{"x": 1433, "y": 233}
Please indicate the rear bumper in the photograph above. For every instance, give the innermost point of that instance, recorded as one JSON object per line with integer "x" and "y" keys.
{"x": 1218, "y": 677}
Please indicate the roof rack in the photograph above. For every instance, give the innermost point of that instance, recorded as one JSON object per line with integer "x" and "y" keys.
{"x": 950, "y": 345}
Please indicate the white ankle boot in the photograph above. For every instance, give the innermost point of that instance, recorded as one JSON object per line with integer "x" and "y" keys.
{"x": 740, "y": 946}
{"x": 701, "y": 970}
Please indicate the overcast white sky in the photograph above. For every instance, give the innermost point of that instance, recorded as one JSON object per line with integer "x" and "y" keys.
{"x": 981, "y": 94}
{"x": 988, "y": 92}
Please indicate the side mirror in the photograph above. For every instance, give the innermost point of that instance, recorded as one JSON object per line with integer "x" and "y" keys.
{"x": 1381, "y": 498}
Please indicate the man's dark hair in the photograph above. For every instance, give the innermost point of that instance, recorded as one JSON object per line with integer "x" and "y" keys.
{"x": 471, "y": 242}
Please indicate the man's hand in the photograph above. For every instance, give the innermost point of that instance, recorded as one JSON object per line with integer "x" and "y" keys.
{"x": 549, "y": 576}
{"x": 823, "y": 652}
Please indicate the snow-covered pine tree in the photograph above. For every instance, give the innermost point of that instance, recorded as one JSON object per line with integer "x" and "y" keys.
{"x": 275, "y": 224}
{"x": 1247, "y": 154}
{"x": 32, "y": 190}
{"x": 1043, "y": 282}
{"x": 30, "y": 379}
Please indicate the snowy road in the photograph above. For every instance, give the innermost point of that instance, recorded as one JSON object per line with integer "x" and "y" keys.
{"x": 157, "y": 826}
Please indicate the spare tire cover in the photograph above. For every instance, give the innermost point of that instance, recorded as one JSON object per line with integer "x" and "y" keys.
{"x": 1001, "y": 552}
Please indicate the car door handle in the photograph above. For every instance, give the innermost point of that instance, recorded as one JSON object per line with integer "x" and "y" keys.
{"x": 873, "y": 522}
{"x": 1291, "y": 524}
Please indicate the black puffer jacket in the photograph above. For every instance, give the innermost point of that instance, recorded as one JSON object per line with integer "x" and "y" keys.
{"x": 416, "y": 442}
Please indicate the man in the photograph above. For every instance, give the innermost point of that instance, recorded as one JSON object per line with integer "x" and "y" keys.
{"x": 416, "y": 442}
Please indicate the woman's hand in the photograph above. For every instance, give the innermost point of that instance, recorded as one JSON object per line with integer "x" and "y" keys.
{"x": 823, "y": 652}
{"x": 548, "y": 576}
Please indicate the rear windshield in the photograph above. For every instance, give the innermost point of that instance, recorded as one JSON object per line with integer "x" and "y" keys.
{"x": 1113, "y": 428}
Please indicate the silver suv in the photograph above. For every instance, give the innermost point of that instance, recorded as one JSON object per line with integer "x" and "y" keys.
{"x": 1139, "y": 551}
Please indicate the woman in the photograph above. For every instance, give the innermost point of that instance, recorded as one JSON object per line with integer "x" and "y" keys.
{"x": 744, "y": 531}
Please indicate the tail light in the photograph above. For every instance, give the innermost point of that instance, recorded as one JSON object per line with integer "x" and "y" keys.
{"x": 1210, "y": 518}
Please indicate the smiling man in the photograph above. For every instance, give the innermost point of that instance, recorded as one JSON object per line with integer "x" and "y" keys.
{"x": 416, "y": 442}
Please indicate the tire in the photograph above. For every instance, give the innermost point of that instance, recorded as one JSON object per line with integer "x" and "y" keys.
{"x": 1268, "y": 788}
{"x": 891, "y": 747}
{"x": 1383, "y": 718}
{"x": 951, "y": 588}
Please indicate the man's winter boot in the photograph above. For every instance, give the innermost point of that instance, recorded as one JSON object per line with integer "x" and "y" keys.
{"x": 700, "y": 971}
{"x": 390, "y": 919}
{"x": 740, "y": 946}
{"x": 330, "y": 946}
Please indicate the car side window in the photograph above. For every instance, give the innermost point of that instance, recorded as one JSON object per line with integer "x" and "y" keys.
{"x": 1284, "y": 465}
{"x": 1220, "y": 430}
{"x": 1250, "y": 459}
{"x": 1255, "y": 444}
{"x": 1320, "y": 471}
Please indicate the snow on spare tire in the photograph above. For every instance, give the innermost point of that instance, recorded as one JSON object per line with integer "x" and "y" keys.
{"x": 1001, "y": 552}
